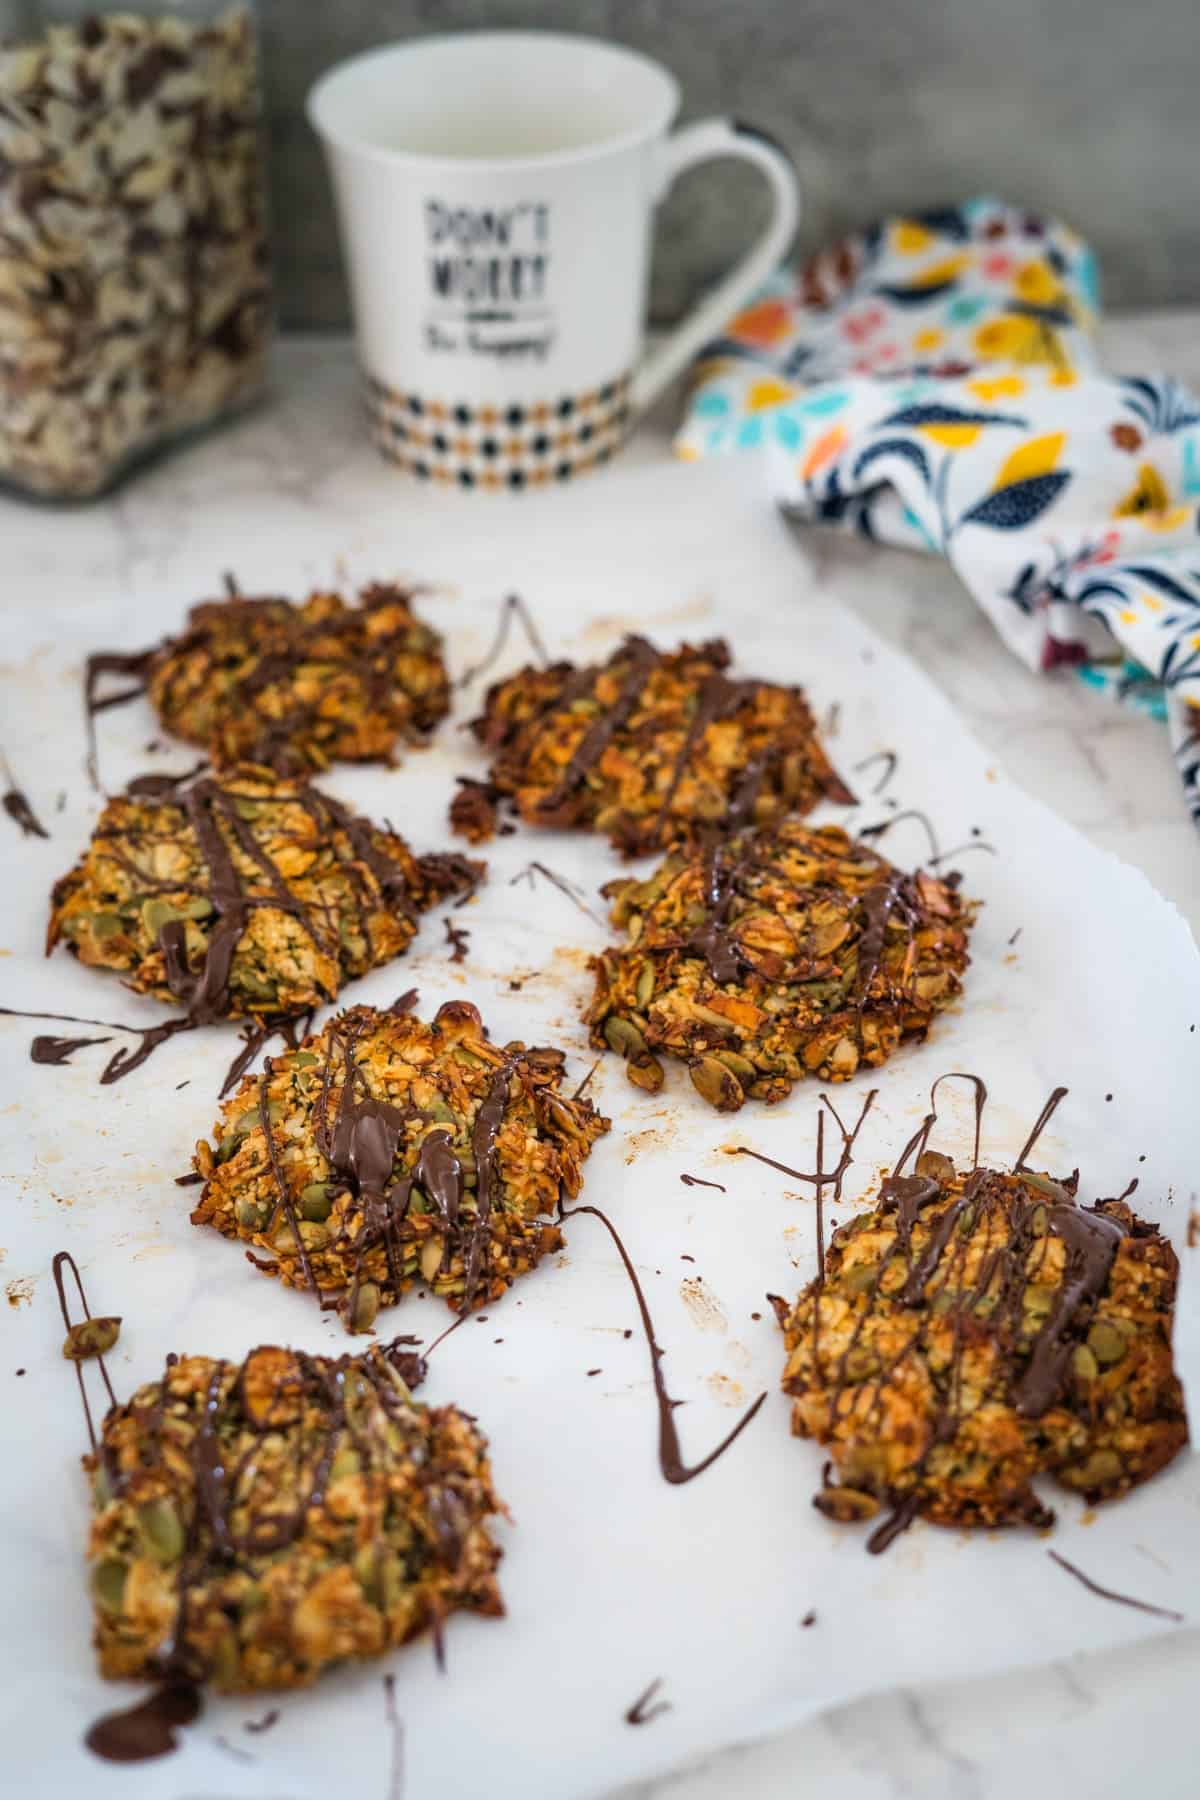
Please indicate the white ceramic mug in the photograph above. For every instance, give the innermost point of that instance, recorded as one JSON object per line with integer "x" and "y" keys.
{"x": 495, "y": 194}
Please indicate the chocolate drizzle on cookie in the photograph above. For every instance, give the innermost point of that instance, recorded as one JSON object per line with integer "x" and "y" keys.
{"x": 551, "y": 731}
{"x": 221, "y": 905}
{"x": 1009, "y": 1262}
{"x": 438, "y": 1197}
{"x": 249, "y": 647}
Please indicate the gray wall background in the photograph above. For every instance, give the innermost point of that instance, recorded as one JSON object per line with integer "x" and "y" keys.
{"x": 1090, "y": 108}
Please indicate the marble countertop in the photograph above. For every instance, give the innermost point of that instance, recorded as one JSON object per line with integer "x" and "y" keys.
{"x": 1094, "y": 1725}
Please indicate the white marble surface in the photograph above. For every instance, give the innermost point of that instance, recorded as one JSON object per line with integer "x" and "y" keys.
{"x": 1093, "y": 1726}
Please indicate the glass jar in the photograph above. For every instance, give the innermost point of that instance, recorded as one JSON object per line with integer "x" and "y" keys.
{"x": 134, "y": 287}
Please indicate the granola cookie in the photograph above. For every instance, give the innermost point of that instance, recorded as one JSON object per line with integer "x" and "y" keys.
{"x": 973, "y": 1331}
{"x": 385, "y": 1152}
{"x": 244, "y": 894}
{"x": 301, "y": 686}
{"x": 648, "y": 748}
{"x": 772, "y": 955}
{"x": 256, "y": 1523}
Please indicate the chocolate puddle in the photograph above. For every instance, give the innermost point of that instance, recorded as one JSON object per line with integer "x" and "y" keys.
{"x": 147, "y": 1729}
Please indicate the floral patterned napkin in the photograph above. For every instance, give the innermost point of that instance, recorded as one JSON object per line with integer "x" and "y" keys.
{"x": 933, "y": 383}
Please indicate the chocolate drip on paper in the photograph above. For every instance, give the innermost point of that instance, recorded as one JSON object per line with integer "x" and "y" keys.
{"x": 64, "y": 1260}
{"x": 56, "y": 1051}
{"x": 670, "y": 1454}
{"x": 16, "y": 805}
{"x": 137, "y": 665}
{"x": 560, "y": 882}
{"x": 819, "y": 1180}
{"x": 888, "y": 758}
{"x": 1093, "y": 1587}
{"x": 512, "y": 607}
{"x": 1057, "y": 1096}
{"x": 120, "y": 1063}
{"x": 642, "y": 1712}
{"x": 698, "y": 1181}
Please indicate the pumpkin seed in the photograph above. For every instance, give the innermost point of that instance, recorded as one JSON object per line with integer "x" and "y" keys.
{"x": 936, "y": 1166}
{"x": 346, "y": 1462}
{"x": 251, "y": 1216}
{"x": 716, "y": 1084}
{"x": 1101, "y": 1468}
{"x": 108, "y": 1584}
{"x": 1106, "y": 1343}
{"x": 846, "y": 1505}
{"x": 623, "y": 1036}
{"x": 223, "y": 1669}
{"x": 741, "y": 1067}
{"x": 827, "y": 938}
{"x": 157, "y": 913}
{"x": 645, "y": 985}
{"x": 315, "y": 1203}
{"x": 366, "y": 1306}
{"x": 645, "y": 1072}
{"x": 432, "y": 1251}
{"x": 92, "y": 1337}
{"x": 161, "y": 1530}
{"x": 105, "y": 925}
{"x": 1084, "y": 1363}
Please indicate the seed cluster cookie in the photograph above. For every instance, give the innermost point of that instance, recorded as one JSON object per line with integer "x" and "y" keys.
{"x": 772, "y": 955}
{"x": 256, "y": 1523}
{"x": 973, "y": 1331}
{"x": 301, "y": 686}
{"x": 648, "y": 748}
{"x": 385, "y": 1152}
{"x": 244, "y": 894}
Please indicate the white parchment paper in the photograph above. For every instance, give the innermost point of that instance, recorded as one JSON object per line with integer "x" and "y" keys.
{"x": 612, "y": 1578}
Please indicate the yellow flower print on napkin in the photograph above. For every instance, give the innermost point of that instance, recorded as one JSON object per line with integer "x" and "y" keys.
{"x": 1149, "y": 501}
{"x": 1014, "y": 337}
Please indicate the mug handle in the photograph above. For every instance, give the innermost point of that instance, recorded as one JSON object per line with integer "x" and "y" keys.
{"x": 702, "y": 142}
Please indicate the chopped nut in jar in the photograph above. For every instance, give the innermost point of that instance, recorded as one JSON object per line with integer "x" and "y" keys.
{"x": 133, "y": 270}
